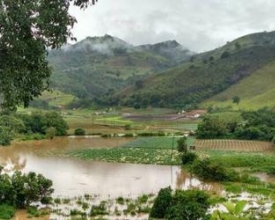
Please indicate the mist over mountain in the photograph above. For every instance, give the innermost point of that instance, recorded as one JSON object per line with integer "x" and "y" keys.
{"x": 107, "y": 70}
{"x": 99, "y": 66}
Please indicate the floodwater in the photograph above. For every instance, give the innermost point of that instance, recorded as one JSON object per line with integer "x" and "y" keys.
{"x": 74, "y": 177}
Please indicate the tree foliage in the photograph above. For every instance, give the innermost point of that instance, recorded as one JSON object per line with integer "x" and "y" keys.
{"x": 19, "y": 190}
{"x": 182, "y": 144}
{"x": 254, "y": 125}
{"x": 161, "y": 203}
{"x": 189, "y": 204}
{"x": 209, "y": 170}
{"x": 27, "y": 30}
{"x": 39, "y": 122}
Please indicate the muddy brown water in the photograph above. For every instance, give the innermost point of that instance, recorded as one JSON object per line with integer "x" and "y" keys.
{"x": 74, "y": 177}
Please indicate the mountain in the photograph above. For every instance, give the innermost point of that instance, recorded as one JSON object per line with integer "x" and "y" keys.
{"x": 208, "y": 74}
{"x": 100, "y": 66}
{"x": 171, "y": 50}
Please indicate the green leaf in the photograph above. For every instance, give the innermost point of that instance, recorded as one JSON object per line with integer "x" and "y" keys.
{"x": 229, "y": 206}
{"x": 240, "y": 207}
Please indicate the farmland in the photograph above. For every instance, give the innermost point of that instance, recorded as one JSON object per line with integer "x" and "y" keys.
{"x": 234, "y": 145}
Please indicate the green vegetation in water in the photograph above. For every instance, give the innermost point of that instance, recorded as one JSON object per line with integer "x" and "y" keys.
{"x": 129, "y": 155}
{"x": 149, "y": 150}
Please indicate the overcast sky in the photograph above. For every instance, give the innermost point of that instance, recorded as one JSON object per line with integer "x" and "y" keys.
{"x": 199, "y": 25}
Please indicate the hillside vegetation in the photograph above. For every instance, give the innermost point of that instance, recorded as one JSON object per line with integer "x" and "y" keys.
{"x": 208, "y": 74}
{"x": 100, "y": 66}
{"x": 255, "y": 91}
{"x": 109, "y": 71}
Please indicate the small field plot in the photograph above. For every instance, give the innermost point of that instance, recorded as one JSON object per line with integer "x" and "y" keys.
{"x": 153, "y": 142}
{"x": 234, "y": 145}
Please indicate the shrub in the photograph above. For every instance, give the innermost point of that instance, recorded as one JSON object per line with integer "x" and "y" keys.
{"x": 182, "y": 144}
{"x": 106, "y": 135}
{"x": 127, "y": 127}
{"x": 188, "y": 204}
{"x": 79, "y": 131}
{"x": 161, "y": 203}
{"x": 183, "y": 205}
{"x": 22, "y": 189}
{"x": 98, "y": 209}
{"x": 120, "y": 200}
{"x": 5, "y": 137}
{"x": 128, "y": 135}
{"x": 225, "y": 55}
{"x": 209, "y": 170}
{"x": 6, "y": 212}
{"x": 188, "y": 158}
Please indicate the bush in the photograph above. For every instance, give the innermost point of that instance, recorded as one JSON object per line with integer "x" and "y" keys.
{"x": 22, "y": 189}
{"x": 79, "y": 132}
{"x": 106, "y": 135}
{"x": 182, "y": 144}
{"x": 127, "y": 127}
{"x": 161, "y": 203}
{"x": 209, "y": 170}
{"x": 183, "y": 205}
{"x": 188, "y": 204}
{"x": 188, "y": 158}
{"x": 98, "y": 209}
{"x": 225, "y": 55}
{"x": 128, "y": 135}
{"x": 5, "y": 137}
{"x": 6, "y": 212}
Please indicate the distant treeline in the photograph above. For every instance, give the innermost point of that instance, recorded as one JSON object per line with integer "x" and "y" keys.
{"x": 38, "y": 125}
{"x": 254, "y": 125}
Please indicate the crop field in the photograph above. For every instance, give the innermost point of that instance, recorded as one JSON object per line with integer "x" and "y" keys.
{"x": 129, "y": 155}
{"x": 168, "y": 142}
{"x": 234, "y": 145}
{"x": 153, "y": 143}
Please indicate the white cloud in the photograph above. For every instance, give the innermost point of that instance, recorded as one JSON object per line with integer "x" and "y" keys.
{"x": 196, "y": 24}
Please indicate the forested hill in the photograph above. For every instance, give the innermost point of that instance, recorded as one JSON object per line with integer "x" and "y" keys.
{"x": 205, "y": 75}
{"x": 100, "y": 66}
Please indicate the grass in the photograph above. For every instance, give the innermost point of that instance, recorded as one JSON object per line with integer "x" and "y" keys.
{"x": 253, "y": 161}
{"x": 6, "y": 211}
{"x": 255, "y": 91}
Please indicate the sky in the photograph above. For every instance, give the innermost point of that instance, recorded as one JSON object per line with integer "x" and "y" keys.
{"x": 199, "y": 25}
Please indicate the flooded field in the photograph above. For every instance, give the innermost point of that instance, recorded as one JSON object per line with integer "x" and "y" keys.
{"x": 74, "y": 177}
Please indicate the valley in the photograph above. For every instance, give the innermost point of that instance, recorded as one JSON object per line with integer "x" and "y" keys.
{"x": 133, "y": 105}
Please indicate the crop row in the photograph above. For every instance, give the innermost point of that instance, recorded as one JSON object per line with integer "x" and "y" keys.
{"x": 234, "y": 145}
{"x": 129, "y": 155}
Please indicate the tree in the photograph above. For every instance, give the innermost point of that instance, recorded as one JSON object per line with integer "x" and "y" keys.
{"x": 79, "y": 132}
{"x": 20, "y": 190}
{"x": 188, "y": 204}
{"x": 236, "y": 99}
{"x": 182, "y": 144}
{"x": 225, "y": 55}
{"x": 181, "y": 205}
{"x": 27, "y": 30}
{"x": 161, "y": 203}
{"x": 211, "y": 127}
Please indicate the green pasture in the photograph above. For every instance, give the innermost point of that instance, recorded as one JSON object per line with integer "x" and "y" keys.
{"x": 252, "y": 161}
{"x": 255, "y": 91}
